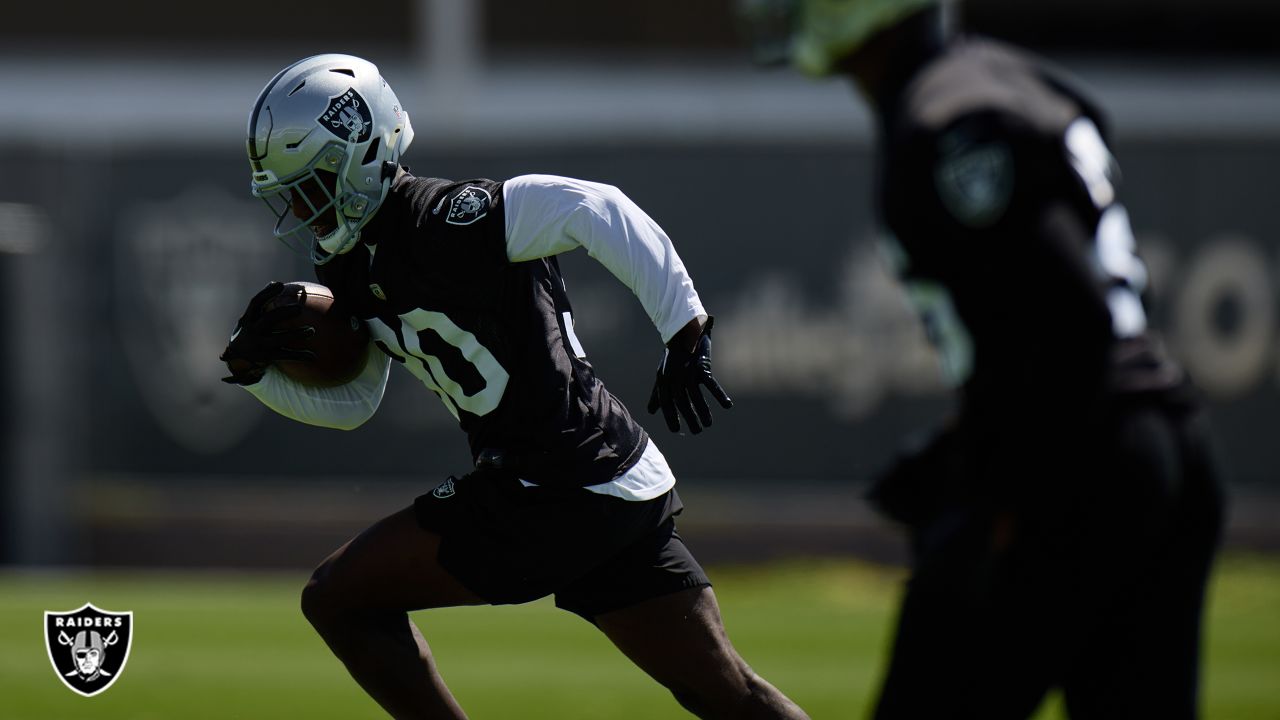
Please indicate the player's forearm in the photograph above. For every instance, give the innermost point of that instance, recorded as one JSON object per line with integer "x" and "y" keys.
{"x": 636, "y": 250}
{"x": 652, "y": 269}
{"x": 548, "y": 215}
{"x": 344, "y": 407}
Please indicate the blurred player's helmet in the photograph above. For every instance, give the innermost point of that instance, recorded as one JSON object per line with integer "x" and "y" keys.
{"x": 325, "y": 139}
{"x": 815, "y": 34}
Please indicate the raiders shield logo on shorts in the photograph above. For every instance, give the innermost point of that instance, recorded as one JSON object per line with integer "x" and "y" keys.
{"x": 88, "y": 647}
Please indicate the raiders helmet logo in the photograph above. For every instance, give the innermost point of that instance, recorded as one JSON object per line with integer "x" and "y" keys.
{"x": 468, "y": 206}
{"x": 347, "y": 116}
{"x": 88, "y": 647}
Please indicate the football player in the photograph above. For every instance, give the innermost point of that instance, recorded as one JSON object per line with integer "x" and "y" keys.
{"x": 1063, "y": 524}
{"x": 458, "y": 283}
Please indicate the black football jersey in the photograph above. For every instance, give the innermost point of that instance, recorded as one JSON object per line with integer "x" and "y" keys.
{"x": 1001, "y": 196}
{"x": 493, "y": 339}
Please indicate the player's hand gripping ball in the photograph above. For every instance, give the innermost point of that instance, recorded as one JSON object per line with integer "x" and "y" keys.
{"x": 296, "y": 327}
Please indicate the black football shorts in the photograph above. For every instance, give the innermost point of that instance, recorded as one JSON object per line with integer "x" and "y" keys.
{"x": 510, "y": 543}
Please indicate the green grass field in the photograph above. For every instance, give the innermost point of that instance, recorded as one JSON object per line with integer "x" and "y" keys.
{"x": 235, "y": 646}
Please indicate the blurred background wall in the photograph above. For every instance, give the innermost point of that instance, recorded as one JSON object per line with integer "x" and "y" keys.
{"x": 129, "y": 244}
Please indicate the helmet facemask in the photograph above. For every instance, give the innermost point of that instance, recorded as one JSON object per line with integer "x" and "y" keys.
{"x": 315, "y": 214}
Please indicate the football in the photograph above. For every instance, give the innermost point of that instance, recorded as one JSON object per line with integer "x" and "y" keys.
{"x": 340, "y": 342}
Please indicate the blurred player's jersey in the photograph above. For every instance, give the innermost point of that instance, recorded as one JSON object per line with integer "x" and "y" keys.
{"x": 1001, "y": 196}
{"x": 493, "y": 339}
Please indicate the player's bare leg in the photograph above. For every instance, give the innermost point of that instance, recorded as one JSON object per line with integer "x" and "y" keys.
{"x": 680, "y": 640}
{"x": 358, "y": 600}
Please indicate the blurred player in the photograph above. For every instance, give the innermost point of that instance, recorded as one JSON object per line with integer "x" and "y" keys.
{"x": 458, "y": 283}
{"x": 1063, "y": 524}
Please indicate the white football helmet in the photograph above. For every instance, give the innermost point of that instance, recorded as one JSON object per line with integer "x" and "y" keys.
{"x": 325, "y": 139}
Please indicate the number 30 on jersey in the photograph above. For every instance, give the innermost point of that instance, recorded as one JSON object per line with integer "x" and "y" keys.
{"x": 432, "y": 370}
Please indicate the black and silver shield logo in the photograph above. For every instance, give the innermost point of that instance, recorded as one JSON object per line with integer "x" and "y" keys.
{"x": 975, "y": 182}
{"x": 88, "y": 647}
{"x": 347, "y": 116}
{"x": 184, "y": 266}
{"x": 468, "y": 206}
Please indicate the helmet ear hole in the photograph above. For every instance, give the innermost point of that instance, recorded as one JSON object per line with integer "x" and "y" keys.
{"x": 371, "y": 154}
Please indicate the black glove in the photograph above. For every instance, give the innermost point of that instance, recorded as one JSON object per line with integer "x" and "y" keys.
{"x": 677, "y": 386}
{"x": 257, "y": 342}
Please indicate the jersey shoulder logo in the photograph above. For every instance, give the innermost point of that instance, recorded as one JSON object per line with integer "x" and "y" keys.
{"x": 975, "y": 180}
{"x": 88, "y": 647}
{"x": 468, "y": 206}
{"x": 347, "y": 116}
{"x": 445, "y": 489}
